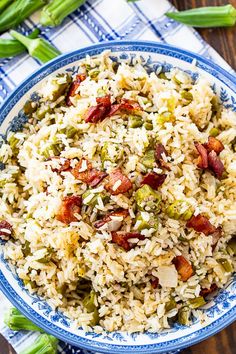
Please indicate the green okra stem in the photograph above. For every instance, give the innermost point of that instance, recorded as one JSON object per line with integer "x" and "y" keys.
{"x": 17, "y": 12}
{"x": 17, "y": 322}
{"x": 12, "y": 47}
{"x": 4, "y": 4}
{"x": 44, "y": 344}
{"x": 37, "y": 48}
{"x": 55, "y": 12}
{"x": 211, "y": 16}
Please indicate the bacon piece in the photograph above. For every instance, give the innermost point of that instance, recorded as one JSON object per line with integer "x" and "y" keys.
{"x": 70, "y": 206}
{"x": 124, "y": 184}
{"x": 121, "y": 239}
{"x": 154, "y": 180}
{"x": 214, "y": 144}
{"x": 90, "y": 175}
{"x": 215, "y": 237}
{"x": 203, "y": 158}
{"x": 113, "y": 225}
{"x": 73, "y": 87}
{"x": 154, "y": 282}
{"x": 63, "y": 162}
{"x": 99, "y": 112}
{"x": 6, "y": 230}
{"x": 126, "y": 105}
{"x": 215, "y": 164}
{"x": 183, "y": 267}
{"x": 200, "y": 223}
{"x": 205, "y": 292}
{"x": 159, "y": 152}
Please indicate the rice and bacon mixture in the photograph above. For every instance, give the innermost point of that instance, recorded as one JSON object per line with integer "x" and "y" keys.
{"x": 118, "y": 198}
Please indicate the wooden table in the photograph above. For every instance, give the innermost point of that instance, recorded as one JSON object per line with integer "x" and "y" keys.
{"x": 224, "y": 41}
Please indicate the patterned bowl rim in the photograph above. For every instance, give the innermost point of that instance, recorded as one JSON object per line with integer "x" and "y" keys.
{"x": 68, "y": 58}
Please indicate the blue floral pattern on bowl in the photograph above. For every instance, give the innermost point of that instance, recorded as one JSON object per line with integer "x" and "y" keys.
{"x": 221, "y": 310}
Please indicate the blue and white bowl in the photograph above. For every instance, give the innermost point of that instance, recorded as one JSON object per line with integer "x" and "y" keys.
{"x": 221, "y": 310}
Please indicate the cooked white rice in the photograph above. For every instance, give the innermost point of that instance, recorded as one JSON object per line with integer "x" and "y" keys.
{"x": 52, "y": 257}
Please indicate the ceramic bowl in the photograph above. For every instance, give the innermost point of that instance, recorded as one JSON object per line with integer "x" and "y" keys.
{"x": 221, "y": 310}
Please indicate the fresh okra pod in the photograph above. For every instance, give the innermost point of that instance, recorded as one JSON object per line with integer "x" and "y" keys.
{"x": 17, "y": 12}
{"x": 148, "y": 199}
{"x": 197, "y": 302}
{"x": 89, "y": 304}
{"x": 55, "y": 12}
{"x": 37, "y": 48}
{"x": 12, "y": 47}
{"x": 175, "y": 210}
{"x": 148, "y": 159}
{"x": 211, "y": 16}
{"x": 4, "y": 4}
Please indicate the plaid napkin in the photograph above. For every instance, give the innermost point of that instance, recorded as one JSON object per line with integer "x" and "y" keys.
{"x": 97, "y": 21}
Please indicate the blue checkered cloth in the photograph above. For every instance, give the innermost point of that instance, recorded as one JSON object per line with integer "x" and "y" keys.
{"x": 97, "y": 21}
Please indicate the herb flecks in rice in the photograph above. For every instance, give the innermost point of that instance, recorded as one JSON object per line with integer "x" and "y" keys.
{"x": 147, "y": 230}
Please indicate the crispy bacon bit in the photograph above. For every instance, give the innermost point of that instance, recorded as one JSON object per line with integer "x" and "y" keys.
{"x": 125, "y": 105}
{"x": 205, "y": 292}
{"x": 99, "y": 112}
{"x": 116, "y": 224}
{"x": 154, "y": 282}
{"x": 215, "y": 164}
{"x": 208, "y": 156}
{"x": 214, "y": 144}
{"x": 159, "y": 152}
{"x": 118, "y": 183}
{"x": 6, "y": 230}
{"x": 73, "y": 88}
{"x": 63, "y": 162}
{"x": 183, "y": 267}
{"x": 88, "y": 174}
{"x": 200, "y": 223}
{"x": 154, "y": 180}
{"x": 203, "y": 158}
{"x": 69, "y": 207}
{"x": 216, "y": 236}
{"x": 121, "y": 239}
